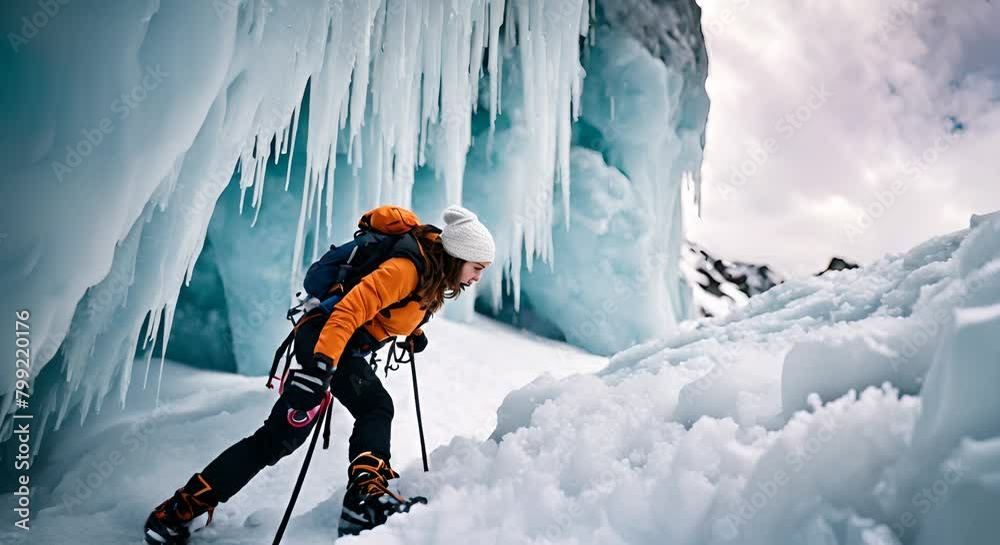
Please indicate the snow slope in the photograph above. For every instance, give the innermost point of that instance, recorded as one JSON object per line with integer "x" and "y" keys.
{"x": 794, "y": 420}
{"x": 101, "y": 482}
{"x": 699, "y": 437}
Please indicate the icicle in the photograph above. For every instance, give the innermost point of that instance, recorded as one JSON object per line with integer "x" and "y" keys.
{"x": 291, "y": 151}
{"x": 330, "y": 171}
{"x": 259, "y": 189}
{"x": 359, "y": 83}
{"x": 300, "y": 231}
{"x": 126, "y": 375}
{"x": 88, "y": 397}
{"x": 168, "y": 312}
{"x": 480, "y": 20}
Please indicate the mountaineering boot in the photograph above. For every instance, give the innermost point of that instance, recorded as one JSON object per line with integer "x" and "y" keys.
{"x": 368, "y": 501}
{"x": 168, "y": 523}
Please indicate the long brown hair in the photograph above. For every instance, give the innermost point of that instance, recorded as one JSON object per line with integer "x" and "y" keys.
{"x": 442, "y": 273}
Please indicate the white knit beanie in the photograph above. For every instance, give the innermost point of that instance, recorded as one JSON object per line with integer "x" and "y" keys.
{"x": 465, "y": 237}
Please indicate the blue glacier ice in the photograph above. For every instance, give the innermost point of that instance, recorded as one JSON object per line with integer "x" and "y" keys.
{"x": 115, "y": 195}
{"x": 612, "y": 280}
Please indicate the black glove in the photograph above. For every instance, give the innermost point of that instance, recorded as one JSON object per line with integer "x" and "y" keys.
{"x": 306, "y": 388}
{"x": 417, "y": 341}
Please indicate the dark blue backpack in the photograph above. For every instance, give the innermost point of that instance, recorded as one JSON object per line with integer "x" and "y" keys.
{"x": 342, "y": 267}
{"x": 383, "y": 233}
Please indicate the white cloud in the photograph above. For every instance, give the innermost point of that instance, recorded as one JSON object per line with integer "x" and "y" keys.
{"x": 831, "y": 128}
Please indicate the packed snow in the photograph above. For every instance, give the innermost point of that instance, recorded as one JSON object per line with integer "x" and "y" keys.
{"x": 716, "y": 435}
{"x": 108, "y": 475}
{"x": 851, "y": 408}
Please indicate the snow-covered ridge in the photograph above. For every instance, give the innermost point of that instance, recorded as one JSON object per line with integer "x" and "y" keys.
{"x": 721, "y": 285}
{"x": 126, "y": 143}
{"x": 794, "y": 420}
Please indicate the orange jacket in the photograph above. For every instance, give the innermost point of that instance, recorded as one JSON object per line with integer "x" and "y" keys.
{"x": 393, "y": 281}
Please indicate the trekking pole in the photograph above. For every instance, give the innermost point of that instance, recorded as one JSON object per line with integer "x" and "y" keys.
{"x": 416, "y": 398}
{"x": 302, "y": 474}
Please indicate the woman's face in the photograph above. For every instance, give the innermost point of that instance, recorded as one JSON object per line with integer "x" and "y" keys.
{"x": 471, "y": 271}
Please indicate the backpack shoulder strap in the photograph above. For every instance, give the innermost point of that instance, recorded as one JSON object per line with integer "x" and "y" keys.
{"x": 409, "y": 247}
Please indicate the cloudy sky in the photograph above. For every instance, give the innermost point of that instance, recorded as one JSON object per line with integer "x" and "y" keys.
{"x": 847, "y": 127}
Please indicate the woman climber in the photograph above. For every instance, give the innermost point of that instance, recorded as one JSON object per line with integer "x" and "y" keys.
{"x": 419, "y": 270}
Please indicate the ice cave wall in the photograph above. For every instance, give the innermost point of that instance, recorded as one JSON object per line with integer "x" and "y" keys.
{"x": 133, "y": 114}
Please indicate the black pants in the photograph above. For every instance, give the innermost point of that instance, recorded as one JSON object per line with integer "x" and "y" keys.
{"x": 354, "y": 384}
